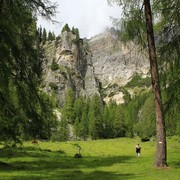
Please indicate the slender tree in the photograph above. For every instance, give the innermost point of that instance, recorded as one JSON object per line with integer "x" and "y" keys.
{"x": 161, "y": 154}
{"x": 132, "y": 11}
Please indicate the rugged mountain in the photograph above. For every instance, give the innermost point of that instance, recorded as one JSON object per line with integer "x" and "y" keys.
{"x": 68, "y": 64}
{"x": 101, "y": 64}
{"x": 116, "y": 63}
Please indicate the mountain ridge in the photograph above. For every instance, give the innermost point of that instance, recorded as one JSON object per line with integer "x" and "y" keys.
{"x": 89, "y": 65}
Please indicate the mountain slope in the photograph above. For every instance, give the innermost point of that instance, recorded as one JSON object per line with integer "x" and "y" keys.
{"x": 101, "y": 64}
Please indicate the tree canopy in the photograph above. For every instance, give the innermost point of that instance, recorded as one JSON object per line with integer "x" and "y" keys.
{"x": 20, "y": 98}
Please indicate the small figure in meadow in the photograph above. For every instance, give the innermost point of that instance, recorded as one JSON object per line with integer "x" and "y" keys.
{"x": 138, "y": 150}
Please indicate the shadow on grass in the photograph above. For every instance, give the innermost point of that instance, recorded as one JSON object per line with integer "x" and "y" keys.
{"x": 78, "y": 175}
{"x": 95, "y": 175}
{"x": 53, "y": 164}
{"x": 175, "y": 164}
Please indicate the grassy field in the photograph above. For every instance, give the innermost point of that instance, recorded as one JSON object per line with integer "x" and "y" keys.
{"x": 102, "y": 160}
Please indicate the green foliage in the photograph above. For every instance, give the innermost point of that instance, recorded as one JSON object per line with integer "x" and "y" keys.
{"x": 44, "y": 36}
{"x": 66, "y": 28}
{"x": 93, "y": 120}
{"x": 95, "y": 117}
{"x": 62, "y": 131}
{"x": 178, "y": 129}
{"x": 53, "y": 85}
{"x": 146, "y": 126}
{"x": 23, "y": 108}
{"x": 68, "y": 109}
{"x": 172, "y": 116}
{"x": 41, "y": 119}
{"x": 54, "y": 65}
{"x": 81, "y": 109}
{"x": 120, "y": 125}
{"x": 57, "y": 41}
{"x": 83, "y": 126}
{"x": 167, "y": 36}
{"x": 39, "y": 34}
{"x": 51, "y": 36}
{"x": 75, "y": 31}
{"x": 137, "y": 80}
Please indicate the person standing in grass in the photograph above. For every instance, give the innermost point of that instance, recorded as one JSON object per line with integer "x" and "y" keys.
{"x": 138, "y": 150}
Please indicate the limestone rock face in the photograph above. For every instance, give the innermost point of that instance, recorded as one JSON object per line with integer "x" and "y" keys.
{"x": 74, "y": 68}
{"x": 115, "y": 62}
{"x": 88, "y": 65}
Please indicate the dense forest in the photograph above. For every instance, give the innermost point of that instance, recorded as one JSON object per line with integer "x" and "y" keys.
{"x": 27, "y": 112}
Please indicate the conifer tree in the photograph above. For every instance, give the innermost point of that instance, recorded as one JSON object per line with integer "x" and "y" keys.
{"x": 19, "y": 68}
{"x": 95, "y": 117}
{"x": 49, "y": 38}
{"x": 83, "y": 126}
{"x": 44, "y": 36}
{"x": 68, "y": 109}
{"x": 40, "y": 34}
{"x": 66, "y": 28}
{"x": 53, "y": 36}
{"x": 132, "y": 12}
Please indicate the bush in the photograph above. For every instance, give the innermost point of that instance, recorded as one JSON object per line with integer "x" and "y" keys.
{"x": 53, "y": 85}
{"x": 145, "y": 139}
{"x": 54, "y": 65}
{"x": 137, "y": 80}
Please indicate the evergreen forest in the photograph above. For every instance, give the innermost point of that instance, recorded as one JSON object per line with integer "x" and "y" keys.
{"x": 26, "y": 112}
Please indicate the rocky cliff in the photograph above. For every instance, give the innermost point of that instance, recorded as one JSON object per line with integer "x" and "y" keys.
{"x": 115, "y": 63}
{"x": 68, "y": 64}
{"x": 88, "y": 65}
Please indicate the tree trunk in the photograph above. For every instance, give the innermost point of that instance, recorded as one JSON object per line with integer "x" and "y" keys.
{"x": 161, "y": 153}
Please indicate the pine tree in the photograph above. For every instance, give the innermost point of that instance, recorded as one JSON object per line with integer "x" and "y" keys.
{"x": 44, "y": 36}
{"x": 53, "y": 36}
{"x": 19, "y": 68}
{"x": 95, "y": 117}
{"x": 66, "y": 28}
{"x": 49, "y": 38}
{"x": 40, "y": 34}
{"x": 68, "y": 109}
{"x": 63, "y": 130}
{"x": 83, "y": 126}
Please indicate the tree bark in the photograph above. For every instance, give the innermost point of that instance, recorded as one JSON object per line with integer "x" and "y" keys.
{"x": 161, "y": 152}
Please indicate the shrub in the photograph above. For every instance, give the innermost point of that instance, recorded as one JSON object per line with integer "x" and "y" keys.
{"x": 137, "y": 80}
{"x": 53, "y": 85}
{"x": 145, "y": 139}
{"x": 54, "y": 65}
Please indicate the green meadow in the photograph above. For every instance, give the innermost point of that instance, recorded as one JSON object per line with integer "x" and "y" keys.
{"x": 101, "y": 160}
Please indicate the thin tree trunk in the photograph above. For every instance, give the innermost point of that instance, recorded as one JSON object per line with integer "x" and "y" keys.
{"x": 161, "y": 152}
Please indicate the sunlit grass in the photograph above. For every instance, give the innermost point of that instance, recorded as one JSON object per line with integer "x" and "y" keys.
{"x": 102, "y": 159}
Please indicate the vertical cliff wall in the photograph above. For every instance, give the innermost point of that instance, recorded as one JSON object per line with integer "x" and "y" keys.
{"x": 68, "y": 64}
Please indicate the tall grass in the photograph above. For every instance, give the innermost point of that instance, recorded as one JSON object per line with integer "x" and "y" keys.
{"x": 101, "y": 160}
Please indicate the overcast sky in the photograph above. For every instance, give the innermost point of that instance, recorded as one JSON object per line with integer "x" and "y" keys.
{"x": 91, "y": 17}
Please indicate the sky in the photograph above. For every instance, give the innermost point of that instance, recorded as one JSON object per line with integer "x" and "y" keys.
{"x": 91, "y": 17}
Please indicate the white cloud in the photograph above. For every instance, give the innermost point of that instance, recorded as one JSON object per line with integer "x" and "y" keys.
{"x": 91, "y": 17}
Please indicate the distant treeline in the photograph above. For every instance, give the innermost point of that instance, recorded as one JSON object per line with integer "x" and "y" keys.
{"x": 92, "y": 119}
